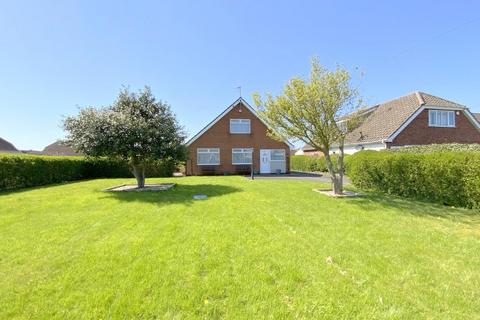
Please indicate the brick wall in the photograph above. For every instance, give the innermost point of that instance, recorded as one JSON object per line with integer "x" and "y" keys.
{"x": 218, "y": 136}
{"x": 418, "y": 132}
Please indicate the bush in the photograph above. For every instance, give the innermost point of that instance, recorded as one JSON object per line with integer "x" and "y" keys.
{"x": 20, "y": 171}
{"x": 454, "y": 147}
{"x": 312, "y": 163}
{"x": 451, "y": 178}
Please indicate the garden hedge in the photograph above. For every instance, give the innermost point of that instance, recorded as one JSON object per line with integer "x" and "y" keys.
{"x": 445, "y": 147}
{"x": 451, "y": 178}
{"x": 20, "y": 171}
{"x": 312, "y": 163}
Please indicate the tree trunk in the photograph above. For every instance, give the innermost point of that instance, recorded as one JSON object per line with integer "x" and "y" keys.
{"x": 341, "y": 164}
{"x": 139, "y": 173}
{"x": 337, "y": 179}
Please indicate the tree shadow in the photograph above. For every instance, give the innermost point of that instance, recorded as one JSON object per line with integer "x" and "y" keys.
{"x": 180, "y": 193}
{"x": 6, "y": 192}
{"x": 373, "y": 201}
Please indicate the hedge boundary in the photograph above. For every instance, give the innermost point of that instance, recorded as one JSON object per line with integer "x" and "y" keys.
{"x": 22, "y": 171}
{"x": 451, "y": 178}
{"x": 313, "y": 163}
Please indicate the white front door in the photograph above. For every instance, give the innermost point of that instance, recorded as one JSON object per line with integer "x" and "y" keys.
{"x": 264, "y": 161}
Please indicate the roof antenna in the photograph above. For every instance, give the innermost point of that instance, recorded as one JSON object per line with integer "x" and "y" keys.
{"x": 240, "y": 94}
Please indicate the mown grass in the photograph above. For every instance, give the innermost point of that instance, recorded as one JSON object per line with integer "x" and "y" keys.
{"x": 252, "y": 250}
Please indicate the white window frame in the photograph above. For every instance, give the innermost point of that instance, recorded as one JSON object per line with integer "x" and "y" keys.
{"x": 242, "y": 150}
{"x": 241, "y": 121}
{"x": 435, "y": 118}
{"x": 208, "y": 150}
{"x": 284, "y": 155}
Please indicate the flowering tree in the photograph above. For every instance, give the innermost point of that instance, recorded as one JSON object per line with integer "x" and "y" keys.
{"x": 136, "y": 128}
{"x": 317, "y": 111}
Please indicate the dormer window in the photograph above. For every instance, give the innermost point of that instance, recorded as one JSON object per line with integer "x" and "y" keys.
{"x": 441, "y": 118}
{"x": 240, "y": 126}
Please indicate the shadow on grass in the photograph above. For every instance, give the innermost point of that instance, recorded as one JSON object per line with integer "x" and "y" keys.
{"x": 42, "y": 186}
{"x": 377, "y": 201}
{"x": 181, "y": 193}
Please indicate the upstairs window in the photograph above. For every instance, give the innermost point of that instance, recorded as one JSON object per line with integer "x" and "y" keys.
{"x": 208, "y": 156}
{"x": 241, "y": 156}
{"x": 240, "y": 126}
{"x": 441, "y": 118}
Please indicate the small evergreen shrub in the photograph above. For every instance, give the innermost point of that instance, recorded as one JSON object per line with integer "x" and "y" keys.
{"x": 451, "y": 178}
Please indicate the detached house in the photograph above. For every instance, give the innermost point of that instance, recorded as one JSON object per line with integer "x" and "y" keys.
{"x": 233, "y": 142}
{"x": 415, "y": 119}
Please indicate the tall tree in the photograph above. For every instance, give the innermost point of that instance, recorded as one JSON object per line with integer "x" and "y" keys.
{"x": 136, "y": 128}
{"x": 317, "y": 111}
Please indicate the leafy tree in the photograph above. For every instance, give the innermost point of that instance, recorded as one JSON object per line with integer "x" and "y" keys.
{"x": 317, "y": 111}
{"x": 136, "y": 128}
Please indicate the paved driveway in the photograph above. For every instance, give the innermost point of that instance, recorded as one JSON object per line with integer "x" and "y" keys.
{"x": 294, "y": 175}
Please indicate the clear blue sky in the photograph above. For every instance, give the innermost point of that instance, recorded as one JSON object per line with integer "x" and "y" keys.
{"x": 57, "y": 56}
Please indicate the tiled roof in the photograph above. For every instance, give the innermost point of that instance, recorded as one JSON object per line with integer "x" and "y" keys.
{"x": 382, "y": 120}
{"x": 477, "y": 116}
{"x": 6, "y": 146}
{"x": 389, "y": 116}
{"x": 59, "y": 149}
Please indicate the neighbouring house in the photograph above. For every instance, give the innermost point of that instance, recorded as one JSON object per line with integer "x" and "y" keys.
{"x": 6, "y": 146}
{"x": 58, "y": 148}
{"x": 298, "y": 152}
{"x": 235, "y": 140}
{"x": 415, "y": 119}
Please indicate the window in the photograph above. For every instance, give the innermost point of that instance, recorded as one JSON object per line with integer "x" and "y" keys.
{"x": 441, "y": 118}
{"x": 208, "y": 156}
{"x": 239, "y": 126}
{"x": 277, "y": 155}
{"x": 241, "y": 156}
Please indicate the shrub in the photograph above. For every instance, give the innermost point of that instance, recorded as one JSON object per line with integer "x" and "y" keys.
{"x": 446, "y": 177}
{"x": 312, "y": 163}
{"x": 456, "y": 147}
{"x": 20, "y": 171}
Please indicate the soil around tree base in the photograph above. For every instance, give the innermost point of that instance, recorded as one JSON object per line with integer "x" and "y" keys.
{"x": 345, "y": 194}
{"x": 148, "y": 187}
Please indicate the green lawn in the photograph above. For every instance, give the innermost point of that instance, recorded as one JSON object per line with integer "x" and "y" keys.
{"x": 254, "y": 249}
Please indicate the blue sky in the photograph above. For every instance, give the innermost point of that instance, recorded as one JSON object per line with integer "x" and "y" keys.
{"x": 57, "y": 56}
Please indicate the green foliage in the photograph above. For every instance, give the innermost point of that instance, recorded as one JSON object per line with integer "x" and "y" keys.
{"x": 136, "y": 128}
{"x": 21, "y": 171}
{"x": 454, "y": 147}
{"x": 310, "y": 110}
{"x": 452, "y": 178}
{"x": 312, "y": 163}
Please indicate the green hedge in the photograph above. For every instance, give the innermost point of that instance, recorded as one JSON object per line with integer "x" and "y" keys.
{"x": 445, "y": 147}
{"x": 312, "y": 163}
{"x": 451, "y": 178}
{"x": 20, "y": 171}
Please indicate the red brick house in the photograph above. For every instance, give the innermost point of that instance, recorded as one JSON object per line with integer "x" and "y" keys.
{"x": 415, "y": 119}
{"x": 232, "y": 141}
